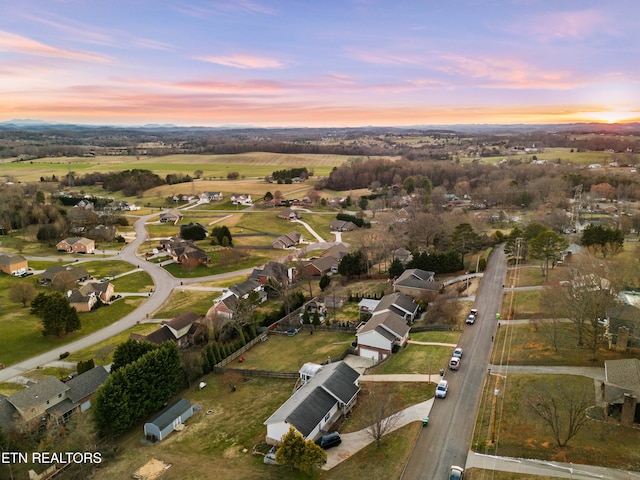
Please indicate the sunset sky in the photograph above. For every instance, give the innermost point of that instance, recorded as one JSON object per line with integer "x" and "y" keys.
{"x": 319, "y": 62}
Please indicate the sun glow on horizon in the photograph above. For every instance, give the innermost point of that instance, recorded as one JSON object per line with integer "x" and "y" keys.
{"x": 611, "y": 116}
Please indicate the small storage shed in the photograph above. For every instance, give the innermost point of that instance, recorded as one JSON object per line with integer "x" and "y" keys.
{"x": 168, "y": 419}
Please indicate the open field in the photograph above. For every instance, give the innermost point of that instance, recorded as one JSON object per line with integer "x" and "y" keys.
{"x": 530, "y": 344}
{"x": 260, "y": 164}
{"x": 519, "y": 433}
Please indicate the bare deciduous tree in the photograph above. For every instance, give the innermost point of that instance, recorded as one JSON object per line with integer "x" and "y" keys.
{"x": 382, "y": 412}
{"x": 22, "y": 292}
{"x": 562, "y": 407}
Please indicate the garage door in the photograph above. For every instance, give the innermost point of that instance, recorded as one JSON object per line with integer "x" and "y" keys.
{"x": 367, "y": 353}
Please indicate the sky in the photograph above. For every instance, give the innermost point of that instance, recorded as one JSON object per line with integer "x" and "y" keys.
{"x": 319, "y": 63}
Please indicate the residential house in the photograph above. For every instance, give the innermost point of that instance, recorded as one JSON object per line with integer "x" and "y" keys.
{"x": 241, "y": 199}
{"x": 342, "y": 226}
{"x": 405, "y": 214}
{"x": 183, "y": 197}
{"x": 313, "y": 308}
{"x": 82, "y": 387}
{"x": 84, "y": 204}
{"x": 321, "y": 266}
{"x": 185, "y": 330}
{"x": 102, "y": 233}
{"x": 84, "y": 298}
{"x": 273, "y": 272}
{"x": 168, "y": 420}
{"x": 402, "y": 254}
{"x": 13, "y": 264}
{"x": 225, "y": 305}
{"x": 314, "y": 407}
{"x": 35, "y": 403}
{"x": 290, "y": 240}
{"x": 622, "y": 327}
{"x": 76, "y": 274}
{"x": 121, "y": 205}
{"x": 399, "y": 304}
{"x": 76, "y": 245}
{"x": 417, "y": 283}
{"x": 243, "y": 289}
{"x": 170, "y": 216}
{"x": 383, "y": 333}
{"x": 208, "y": 197}
{"x": 182, "y": 250}
{"x": 289, "y": 214}
{"x": 622, "y": 390}
{"x": 336, "y": 251}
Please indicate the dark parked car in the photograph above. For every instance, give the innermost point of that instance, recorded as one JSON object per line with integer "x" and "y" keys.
{"x": 329, "y": 440}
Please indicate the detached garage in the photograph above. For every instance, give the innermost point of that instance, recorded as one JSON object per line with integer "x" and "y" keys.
{"x": 168, "y": 420}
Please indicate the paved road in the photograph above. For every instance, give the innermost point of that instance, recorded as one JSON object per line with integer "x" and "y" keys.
{"x": 448, "y": 439}
{"x": 548, "y": 468}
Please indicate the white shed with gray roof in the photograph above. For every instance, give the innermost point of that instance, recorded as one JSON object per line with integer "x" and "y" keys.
{"x": 168, "y": 419}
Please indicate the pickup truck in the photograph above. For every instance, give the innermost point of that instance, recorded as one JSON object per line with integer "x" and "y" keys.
{"x": 471, "y": 318}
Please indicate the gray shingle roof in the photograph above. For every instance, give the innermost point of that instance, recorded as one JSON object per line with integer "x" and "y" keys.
{"x": 388, "y": 320}
{"x": 170, "y": 413}
{"x": 87, "y": 383}
{"x": 620, "y": 377}
{"x": 37, "y": 394}
{"x": 311, "y": 402}
{"x": 402, "y": 303}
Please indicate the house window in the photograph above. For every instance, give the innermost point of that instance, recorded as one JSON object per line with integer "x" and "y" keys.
{"x": 59, "y": 395}
{"x": 326, "y": 418}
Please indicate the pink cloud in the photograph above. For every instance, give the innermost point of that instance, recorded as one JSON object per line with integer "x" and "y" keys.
{"x": 562, "y": 25}
{"x": 504, "y": 73}
{"x": 10, "y": 42}
{"x": 243, "y": 61}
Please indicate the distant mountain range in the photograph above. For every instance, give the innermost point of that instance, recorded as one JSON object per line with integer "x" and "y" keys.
{"x": 620, "y": 128}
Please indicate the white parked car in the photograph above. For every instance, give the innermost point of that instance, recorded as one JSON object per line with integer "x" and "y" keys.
{"x": 441, "y": 389}
{"x": 454, "y": 363}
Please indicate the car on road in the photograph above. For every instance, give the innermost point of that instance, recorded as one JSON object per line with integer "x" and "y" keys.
{"x": 329, "y": 440}
{"x": 473, "y": 315}
{"x": 456, "y": 473}
{"x": 454, "y": 363}
{"x": 441, "y": 389}
{"x": 457, "y": 352}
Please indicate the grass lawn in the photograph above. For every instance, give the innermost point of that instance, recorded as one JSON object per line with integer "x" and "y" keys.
{"x": 107, "y": 268}
{"x": 386, "y": 462}
{"x": 21, "y": 332}
{"x": 529, "y": 344}
{"x": 299, "y": 349}
{"x": 133, "y": 283}
{"x": 526, "y": 304}
{"x": 225, "y": 260}
{"x": 424, "y": 359}
{"x": 521, "y": 434}
{"x": 439, "y": 337}
{"x": 181, "y": 301}
{"x": 102, "y": 353}
{"x": 404, "y": 395}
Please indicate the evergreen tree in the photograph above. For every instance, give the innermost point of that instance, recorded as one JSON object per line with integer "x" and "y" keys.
{"x": 396, "y": 268}
{"x": 130, "y": 351}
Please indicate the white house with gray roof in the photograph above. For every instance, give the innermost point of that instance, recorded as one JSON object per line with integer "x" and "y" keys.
{"x": 328, "y": 394}
{"x": 400, "y": 304}
{"x": 384, "y": 332}
{"x": 417, "y": 283}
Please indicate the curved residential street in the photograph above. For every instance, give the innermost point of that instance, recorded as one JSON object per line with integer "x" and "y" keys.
{"x": 164, "y": 283}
